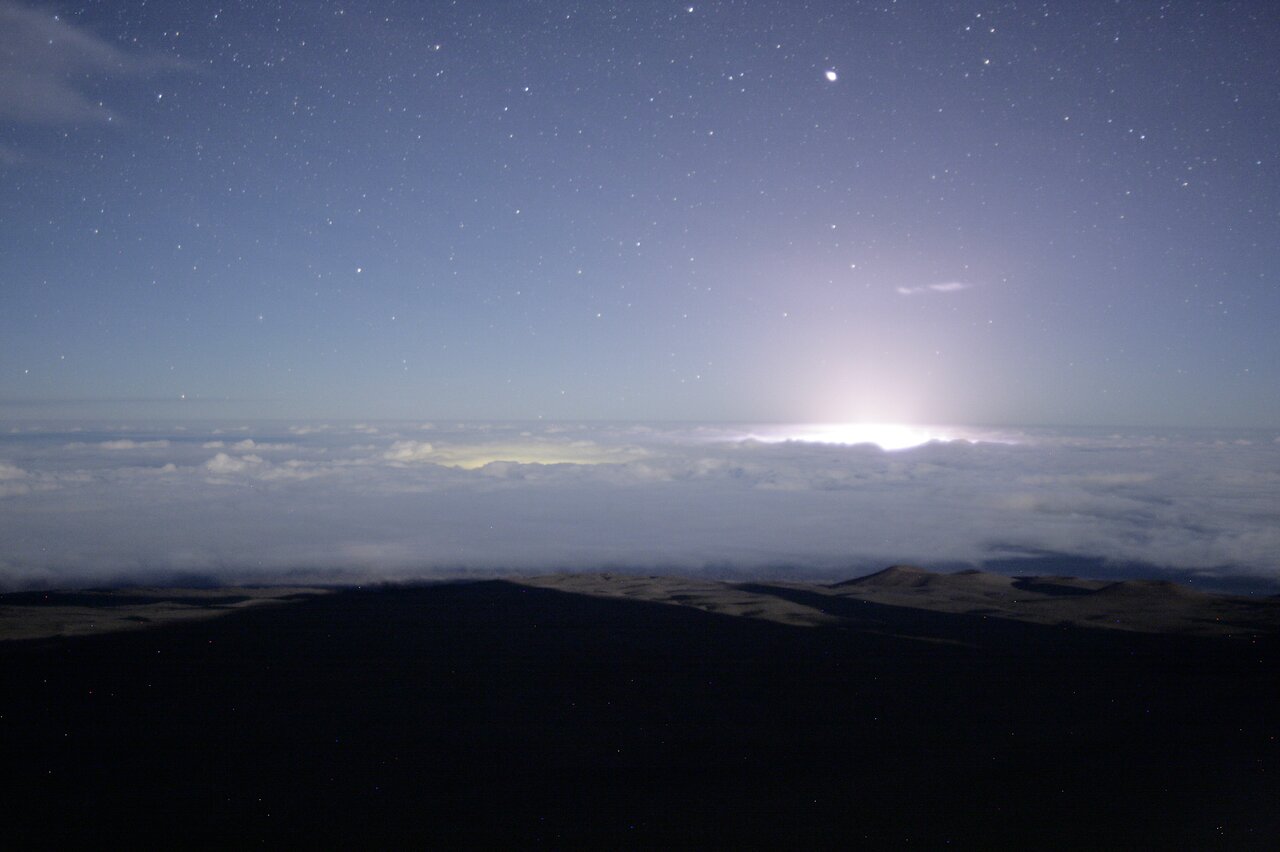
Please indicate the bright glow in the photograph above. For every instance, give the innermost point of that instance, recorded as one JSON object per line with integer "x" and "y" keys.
{"x": 832, "y": 76}
{"x": 886, "y": 436}
{"x": 474, "y": 456}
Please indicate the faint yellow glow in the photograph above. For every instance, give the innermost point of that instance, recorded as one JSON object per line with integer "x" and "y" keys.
{"x": 477, "y": 456}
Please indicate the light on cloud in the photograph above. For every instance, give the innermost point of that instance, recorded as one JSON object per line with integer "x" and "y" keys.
{"x": 886, "y": 436}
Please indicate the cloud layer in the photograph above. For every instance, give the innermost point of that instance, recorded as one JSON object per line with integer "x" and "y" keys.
{"x": 327, "y": 501}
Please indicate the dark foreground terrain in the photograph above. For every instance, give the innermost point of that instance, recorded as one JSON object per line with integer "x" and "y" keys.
{"x": 496, "y": 712}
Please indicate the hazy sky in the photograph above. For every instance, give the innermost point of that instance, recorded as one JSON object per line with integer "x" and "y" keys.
{"x": 923, "y": 211}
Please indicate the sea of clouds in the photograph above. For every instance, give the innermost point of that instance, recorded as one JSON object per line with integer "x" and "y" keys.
{"x": 326, "y": 502}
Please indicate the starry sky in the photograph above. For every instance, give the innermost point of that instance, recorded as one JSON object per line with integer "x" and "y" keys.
{"x": 986, "y": 213}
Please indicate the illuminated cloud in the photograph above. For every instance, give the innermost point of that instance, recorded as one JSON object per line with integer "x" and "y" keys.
{"x": 886, "y": 436}
{"x": 11, "y": 483}
{"x": 223, "y": 463}
{"x": 525, "y": 450}
{"x": 9, "y": 471}
{"x": 410, "y": 451}
{"x": 687, "y": 499}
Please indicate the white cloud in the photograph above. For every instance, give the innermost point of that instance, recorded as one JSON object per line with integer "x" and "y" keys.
{"x": 10, "y": 480}
{"x": 122, "y": 444}
{"x": 409, "y": 451}
{"x": 943, "y": 287}
{"x": 126, "y": 444}
{"x": 676, "y": 498}
{"x": 259, "y": 446}
{"x": 223, "y": 463}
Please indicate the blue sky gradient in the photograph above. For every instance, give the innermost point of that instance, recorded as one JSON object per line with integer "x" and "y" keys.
{"x": 641, "y": 211}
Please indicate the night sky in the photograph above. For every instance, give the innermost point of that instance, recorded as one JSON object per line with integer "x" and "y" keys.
{"x": 986, "y": 213}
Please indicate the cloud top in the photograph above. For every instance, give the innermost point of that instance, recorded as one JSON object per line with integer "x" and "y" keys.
{"x": 400, "y": 501}
{"x": 223, "y": 463}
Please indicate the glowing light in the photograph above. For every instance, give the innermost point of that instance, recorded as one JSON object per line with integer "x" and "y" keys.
{"x": 886, "y": 436}
{"x": 832, "y": 76}
{"x": 475, "y": 456}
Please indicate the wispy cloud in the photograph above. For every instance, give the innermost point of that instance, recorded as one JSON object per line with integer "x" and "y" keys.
{"x": 45, "y": 63}
{"x": 122, "y": 444}
{"x": 943, "y": 287}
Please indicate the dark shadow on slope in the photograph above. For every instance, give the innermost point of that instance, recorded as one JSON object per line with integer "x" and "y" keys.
{"x": 109, "y": 599}
{"x": 1047, "y": 586}
{"x": 493, "y": 713}
{"x": 1222, "y": 580}
{"x": 977, "y": 630}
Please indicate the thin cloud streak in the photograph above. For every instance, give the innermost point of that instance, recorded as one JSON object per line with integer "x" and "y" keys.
{"x": 944, "y": 287}
{"x": 43, "y": 63}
